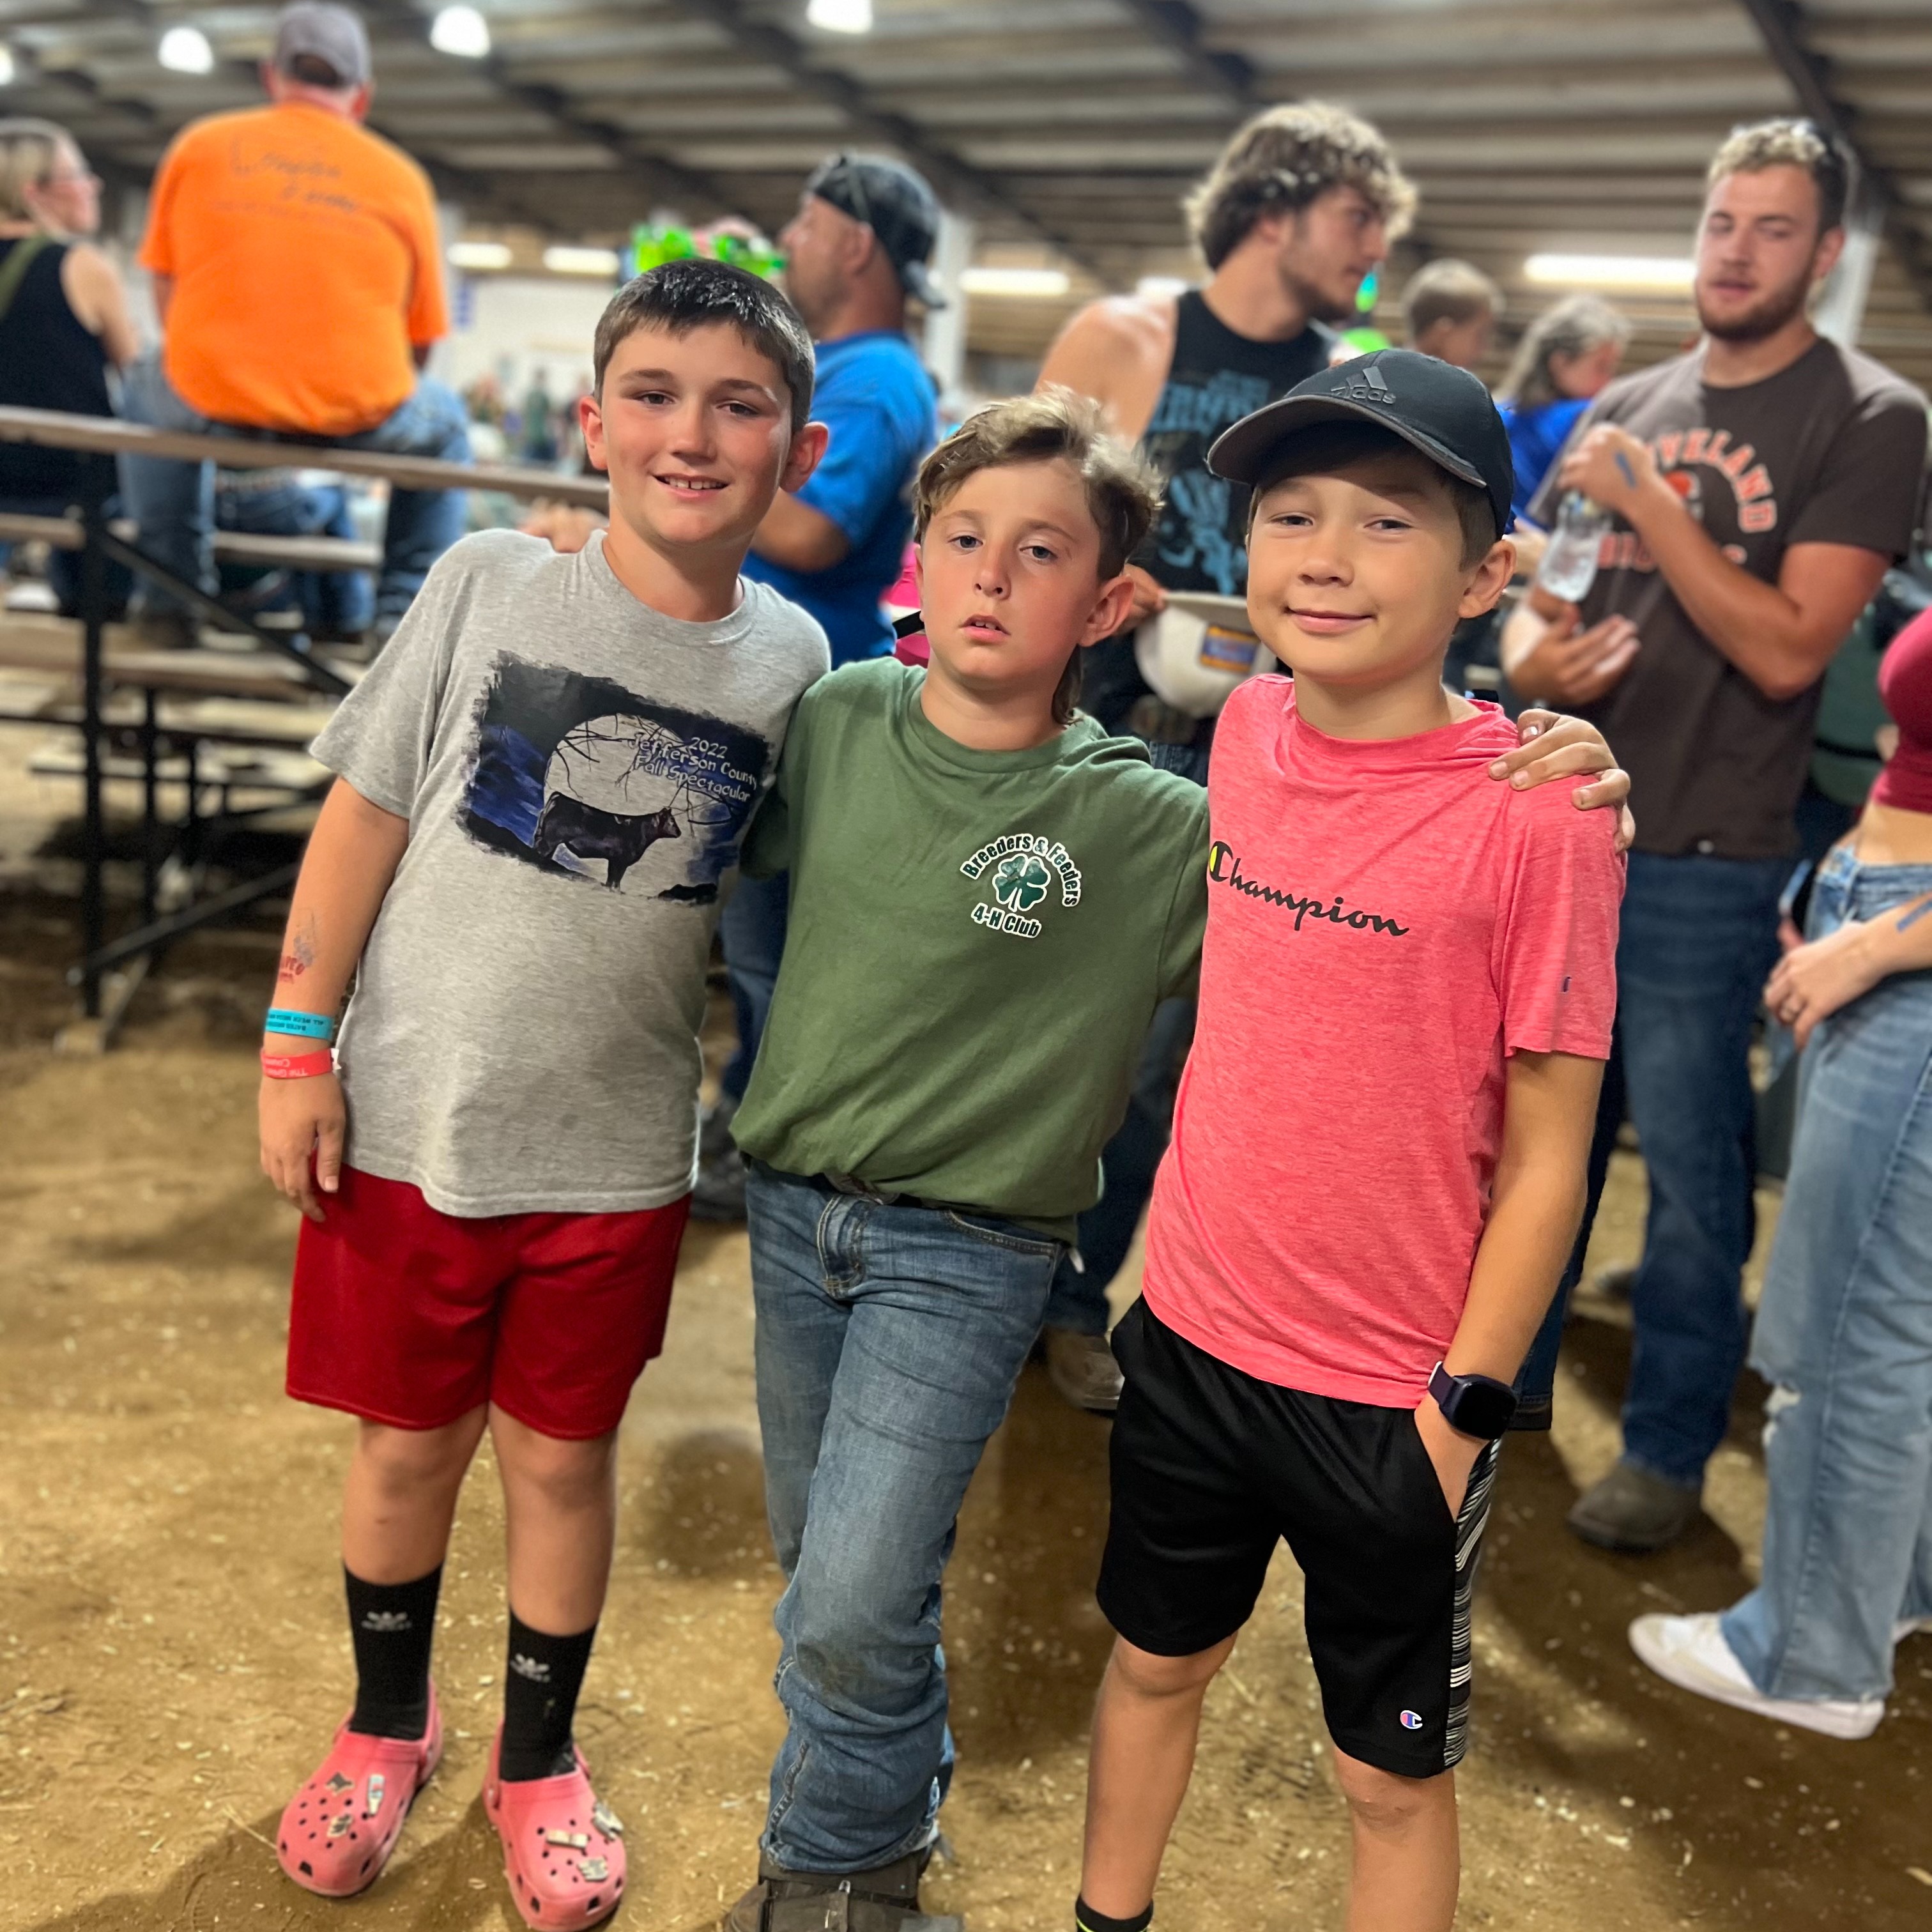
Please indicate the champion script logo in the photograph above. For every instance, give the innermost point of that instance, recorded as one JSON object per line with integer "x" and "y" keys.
{"x": 1224, "y": 868}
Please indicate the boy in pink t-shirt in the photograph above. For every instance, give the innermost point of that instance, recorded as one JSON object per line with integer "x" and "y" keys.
{"x": 1378, "y": 1154}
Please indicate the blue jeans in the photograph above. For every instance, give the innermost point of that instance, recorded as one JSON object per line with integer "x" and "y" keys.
{"x": 269, "y": 503}
{"x": 1844, "y": 1334}
{"x": 173, "y": 503}
{"x": 752, "y": 929}
{"x": 64, "y": 565}
{"x": 1698, "y": 940}
{"x": 889, "y": 1338}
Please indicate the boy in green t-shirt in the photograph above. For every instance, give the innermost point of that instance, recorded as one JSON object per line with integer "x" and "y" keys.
{"x": 989, "y": 897}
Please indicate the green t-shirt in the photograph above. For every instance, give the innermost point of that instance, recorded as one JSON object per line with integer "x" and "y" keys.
{"x": 977, "y": 942}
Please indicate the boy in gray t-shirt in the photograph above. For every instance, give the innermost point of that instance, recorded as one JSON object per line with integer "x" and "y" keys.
{"x": 544, "y": 780}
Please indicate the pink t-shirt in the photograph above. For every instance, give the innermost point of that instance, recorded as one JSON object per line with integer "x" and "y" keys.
{"x": 1385, "y": 923}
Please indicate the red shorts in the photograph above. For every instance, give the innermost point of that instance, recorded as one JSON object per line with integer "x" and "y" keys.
{"x": 404, "y": 1315}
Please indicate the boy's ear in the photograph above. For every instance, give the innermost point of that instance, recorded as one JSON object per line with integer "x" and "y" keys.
{"x": 807, "y": 452}
{"x": 1110, "y": 609}
{"x": 590, "y": 420}
{"x": 1484, "y": 589}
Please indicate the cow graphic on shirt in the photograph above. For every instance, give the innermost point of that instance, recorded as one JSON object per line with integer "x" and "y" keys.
{"x": 585, "y": 780}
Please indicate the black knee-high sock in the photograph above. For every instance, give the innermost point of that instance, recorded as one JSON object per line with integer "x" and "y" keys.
{"x": 392, "y": 1626}
{"x": 540, "y": 1686}
{"x": 1086, "y": 1919}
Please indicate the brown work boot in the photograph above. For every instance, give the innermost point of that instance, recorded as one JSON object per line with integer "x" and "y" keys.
{"x": 885, "y": 1900}
{"x": 1634, "y": 1512}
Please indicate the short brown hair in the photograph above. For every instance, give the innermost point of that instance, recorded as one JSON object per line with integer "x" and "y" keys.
{"x": 1446, "y": 290}
{"x": 1324, "y": 448}
{"x": 1124, "y": 491}
{"x": 1281, "y": 161}
{"x": 697, "y": 293}
{"x": 1789, "y": 144}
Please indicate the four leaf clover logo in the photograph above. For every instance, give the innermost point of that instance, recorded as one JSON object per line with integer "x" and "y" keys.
{"x": 1021, "y": 882}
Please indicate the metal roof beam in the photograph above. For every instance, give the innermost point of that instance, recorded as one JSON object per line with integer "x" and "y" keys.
{"x": 658, "y": 176}
{"x": 1176, "y": 24}
{"x": 949, "y": 172}
{"x": 1780, "y": 25}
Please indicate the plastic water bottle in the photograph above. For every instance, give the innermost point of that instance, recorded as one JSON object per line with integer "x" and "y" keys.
{"x": 1569, "y": 566}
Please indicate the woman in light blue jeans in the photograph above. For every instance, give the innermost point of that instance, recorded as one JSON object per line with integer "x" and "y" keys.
{"x": 1844, "y": 1330}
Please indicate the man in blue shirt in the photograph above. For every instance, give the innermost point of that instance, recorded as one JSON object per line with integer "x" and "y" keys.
{"x": 855, "y": 251}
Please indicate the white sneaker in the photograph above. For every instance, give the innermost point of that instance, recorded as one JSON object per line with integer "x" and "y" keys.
{"x": 1907, "y": 1627}
{"x": 1691, "y": 1652}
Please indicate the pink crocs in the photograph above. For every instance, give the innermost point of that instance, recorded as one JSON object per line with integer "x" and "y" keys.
{"x": 563, "y": 1850}
{"x": 339, "y": 1829}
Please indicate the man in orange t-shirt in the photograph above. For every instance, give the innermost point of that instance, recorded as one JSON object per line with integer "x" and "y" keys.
{"x": 295, "y": 256}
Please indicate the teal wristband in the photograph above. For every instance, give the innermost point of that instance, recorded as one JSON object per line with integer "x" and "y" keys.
{"x": 307, "y": 1026}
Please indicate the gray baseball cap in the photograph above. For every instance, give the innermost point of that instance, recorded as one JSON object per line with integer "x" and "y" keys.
{"x": 896, "y": 203}
{"x": 332, "y": 35}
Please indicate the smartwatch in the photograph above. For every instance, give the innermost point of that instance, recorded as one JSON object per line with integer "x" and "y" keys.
{"x": 1477, "y": 1405}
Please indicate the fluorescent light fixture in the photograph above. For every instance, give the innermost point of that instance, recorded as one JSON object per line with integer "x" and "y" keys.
{"x": 1033, "y": 282}
{"x": 6, "y": 67}
{"x": 478, "y": 255}
{"x": 561, "y": 261}
{"x": 1611, "y": 272}
{"x": 1150, "y": 287}
{"x": 840, "y": 16}
{"x": 460, "y": 30}
{"x": 185, "y": 50}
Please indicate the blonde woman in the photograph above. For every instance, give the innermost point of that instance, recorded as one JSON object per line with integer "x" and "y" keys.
{"x": 63, "y": 319}
{"x": 1567, "y": 355}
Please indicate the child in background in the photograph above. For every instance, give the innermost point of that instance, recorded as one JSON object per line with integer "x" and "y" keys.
{"x": 544, "y": 778}
{"x": 1378, "y": 1162}
{"x": 989, "y": 897}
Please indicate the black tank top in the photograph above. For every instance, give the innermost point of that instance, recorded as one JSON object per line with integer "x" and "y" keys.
{"x": 49, "y": 359}
{"x": 1216, "y": 377}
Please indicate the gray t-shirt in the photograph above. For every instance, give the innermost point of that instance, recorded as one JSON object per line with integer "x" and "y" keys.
{"x": 578, "y": 771}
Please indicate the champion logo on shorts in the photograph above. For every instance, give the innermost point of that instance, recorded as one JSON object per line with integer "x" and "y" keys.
{"x": 1411, "y": 1720}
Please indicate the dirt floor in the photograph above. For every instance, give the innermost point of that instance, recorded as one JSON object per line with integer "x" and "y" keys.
{"x": 173, "y": 1656}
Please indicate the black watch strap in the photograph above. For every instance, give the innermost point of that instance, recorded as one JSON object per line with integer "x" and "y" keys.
{"x": 1477, "y": 1405}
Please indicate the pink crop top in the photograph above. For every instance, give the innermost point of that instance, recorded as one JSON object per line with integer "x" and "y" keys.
{"x": 1905, "y": 684}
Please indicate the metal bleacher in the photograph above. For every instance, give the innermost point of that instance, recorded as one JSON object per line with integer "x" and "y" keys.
{"x": 235, "y": 717}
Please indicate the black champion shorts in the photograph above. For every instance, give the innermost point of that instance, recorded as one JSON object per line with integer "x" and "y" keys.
{"x": 1210, "y": 1467}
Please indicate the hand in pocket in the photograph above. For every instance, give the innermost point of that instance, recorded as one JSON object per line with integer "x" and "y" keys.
{"x": 1451, "y": 1454}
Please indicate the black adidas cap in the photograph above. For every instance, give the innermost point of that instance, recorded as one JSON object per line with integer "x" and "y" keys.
{"x": 1445, "y": 411}
{"x": 896, "y": 203}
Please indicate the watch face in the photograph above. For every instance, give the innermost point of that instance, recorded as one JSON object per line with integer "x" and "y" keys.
{"x": 1483, "y": 1408}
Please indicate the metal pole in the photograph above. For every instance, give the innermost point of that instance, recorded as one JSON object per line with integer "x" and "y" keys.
{"x": 149, "y": 813}
{"x": 94, "y": 838}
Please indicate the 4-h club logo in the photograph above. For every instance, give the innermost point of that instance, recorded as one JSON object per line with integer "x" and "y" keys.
{"x": 1023, "y": 866}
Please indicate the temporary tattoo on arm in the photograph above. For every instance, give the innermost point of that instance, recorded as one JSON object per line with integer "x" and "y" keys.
{"x": 301, "y": 954}
{"x": 1914, "y": 914}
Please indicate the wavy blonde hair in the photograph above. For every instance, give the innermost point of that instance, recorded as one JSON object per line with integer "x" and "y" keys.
{"x": 29, "y": 152}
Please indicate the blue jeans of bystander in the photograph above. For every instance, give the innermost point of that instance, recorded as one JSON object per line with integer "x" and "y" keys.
{"x": 173, "y": 502}
{"x": 1844, "y": 1334}
{"x": 889, "y": 1337}
{"x": 1698, "y": 937}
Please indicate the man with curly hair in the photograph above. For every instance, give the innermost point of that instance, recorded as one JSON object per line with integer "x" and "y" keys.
{"x": 1301, "y": 206}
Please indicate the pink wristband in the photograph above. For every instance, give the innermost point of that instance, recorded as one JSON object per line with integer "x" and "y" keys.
{"x": 297, "y": 1065}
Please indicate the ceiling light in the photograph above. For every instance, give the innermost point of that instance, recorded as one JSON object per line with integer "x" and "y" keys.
{"x": 840, "y": 16}
{"x": 1035, "y": 282}
{"x": 1612, "y": 271}
{"x": 6, "y": 67}
{"x": 478, "y": 255}
{"x": 185, "y": 50}
{"x": 1152, "y": 287}
{"x": 460, "y": 30}
{"x": 561, "y": 261}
